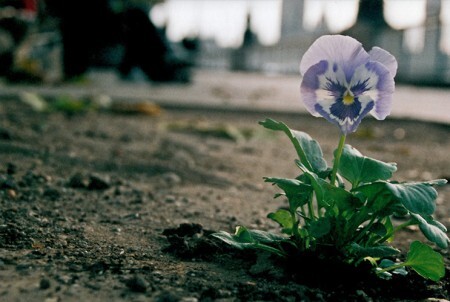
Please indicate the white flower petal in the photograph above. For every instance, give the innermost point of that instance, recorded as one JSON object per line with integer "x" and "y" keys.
{"x": 380, "y": 55}
{"x": 343, "y": 50}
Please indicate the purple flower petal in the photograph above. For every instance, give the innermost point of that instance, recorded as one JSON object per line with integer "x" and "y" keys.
{"x": 310, "y": 85}
{"x": 343, "y": 83}
{"x": 322, "y": 82}
{"x": 342, "y": 50}
{"x": 346, "y": 117}
{"x": 385, "y": 87}
{"x": 380, "y": 55}
{"x": 374, "y": 82}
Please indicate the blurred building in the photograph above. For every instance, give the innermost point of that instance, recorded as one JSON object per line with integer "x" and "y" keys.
{"x": 428, "y": 65}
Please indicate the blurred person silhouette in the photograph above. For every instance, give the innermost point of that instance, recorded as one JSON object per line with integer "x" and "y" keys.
{"x": 85, "y": 27}
{"x": 88, "y": 27}
{"x": 147, "y": 48}
{"x": 16, "y": 17}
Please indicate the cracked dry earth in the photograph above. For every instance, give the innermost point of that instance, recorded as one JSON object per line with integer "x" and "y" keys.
{"x": 100, "y": 206}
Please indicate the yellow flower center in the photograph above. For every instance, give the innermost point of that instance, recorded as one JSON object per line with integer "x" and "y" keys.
{"x": 348, "y": 99}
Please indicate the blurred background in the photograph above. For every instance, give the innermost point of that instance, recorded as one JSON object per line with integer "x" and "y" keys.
{"x": 162, "y": 41}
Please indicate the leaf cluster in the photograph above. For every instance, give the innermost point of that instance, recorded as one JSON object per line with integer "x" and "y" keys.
{"x": 353, "y": 215}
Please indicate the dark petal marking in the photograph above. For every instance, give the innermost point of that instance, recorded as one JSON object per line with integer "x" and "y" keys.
{"x": 360, "y": 87}
{"x": 311, "y": 79}
{"x": 335, "y": 67}
{"x": 342, "y": 111}
{"x": 385, "y": 88}
{"x": 346, "y": 123}
{"x": 335, "y": 88}
{"x": 369, "y": 107}
{"x": 383, "y": 76}
{"x": 325, "y": 114}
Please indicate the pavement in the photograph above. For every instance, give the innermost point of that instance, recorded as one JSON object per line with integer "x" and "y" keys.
{"x": 232, "y": 91}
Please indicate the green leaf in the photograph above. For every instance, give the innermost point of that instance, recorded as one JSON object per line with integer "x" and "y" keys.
{"x": 378, "y": 229}
{"x": 234, "y": 240}
{"x": 343, "y": 199}
{"x": 389, "y": 229}
{"x": 289, "y": 185}
{"x": 69, "y": 104}
{"x": 266, "y": 237}
{"x": 384, "y": 204}
{"x": 436, "y": 182}
{"x": 284, "y": 218}
{"x": 417, "y": 198}
{"x": 308, "y": 150}
{"x": 379, "y": 199}
{"x": 229, "y": 239}
{"x": 328, "y": 195}
{"x": 357, "y": 168}
{"x": 433, "y": 230}
{"x": 312, "y": 150}
{"x": 380, "y": 251}
{"x": 319, "y": 228}
{"x": 425, "y": 261}
{"x": 36, "y": 102}
{"x": 385, "y": 263}
{"x": 297, "y": 192}
{"x": 243, "y": 235}
{"x": 316, "y": 184}
{"x": 252, "y": 239}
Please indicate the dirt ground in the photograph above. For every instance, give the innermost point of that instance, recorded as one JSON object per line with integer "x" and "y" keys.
{"x": 102, "y": 206}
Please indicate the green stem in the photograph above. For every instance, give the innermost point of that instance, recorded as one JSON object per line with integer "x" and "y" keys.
{"x": 302, "y": 214}
{"x": 318, "y": 206}
{"x": 270, "y": 249}
{"x": 404, "y": 225}
{"x": 295, "y": 226}
{"x": 337, "y": 158}
{"x": 311, "y": 208}
{"x": 396, "y": 229}
{"x": 365, "y": 229}
{"x": 390, "y": 268}
{"x": 353, "y": 223}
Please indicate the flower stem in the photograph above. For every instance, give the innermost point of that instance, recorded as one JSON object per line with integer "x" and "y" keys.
{"x": 337, "y": 158}
{"x": 311, "y": 209}
{"x": 270, "y": 249}
{"x": 404, "y": 225}
{"x": 295, "y": 226}
{"x": 396, "y": 229}
{"x": 390, "y": 268}
{"x": 363, "y": 231}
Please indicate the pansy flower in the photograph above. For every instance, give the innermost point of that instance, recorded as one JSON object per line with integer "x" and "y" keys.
{"x": 343, "y": 83}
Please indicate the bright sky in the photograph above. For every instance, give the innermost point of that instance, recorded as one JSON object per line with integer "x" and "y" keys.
{"x": 225, "y": 20}
{"x": 331, "y": 12}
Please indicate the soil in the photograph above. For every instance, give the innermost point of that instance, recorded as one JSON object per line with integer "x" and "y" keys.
{"x": 107, "y": 206}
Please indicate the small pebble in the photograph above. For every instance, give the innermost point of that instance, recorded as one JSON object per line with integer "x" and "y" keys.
{"x": 98, "y": 183}
{"x": 44, "y": 283}
{"x": 171, "y": 178}
{"x": 137, "y": 284}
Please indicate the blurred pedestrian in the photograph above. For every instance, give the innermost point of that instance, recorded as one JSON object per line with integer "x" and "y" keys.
{"x": 15, "y": 19}
{"x": 147, "y": 48}
{"x": 88, "y": 27}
